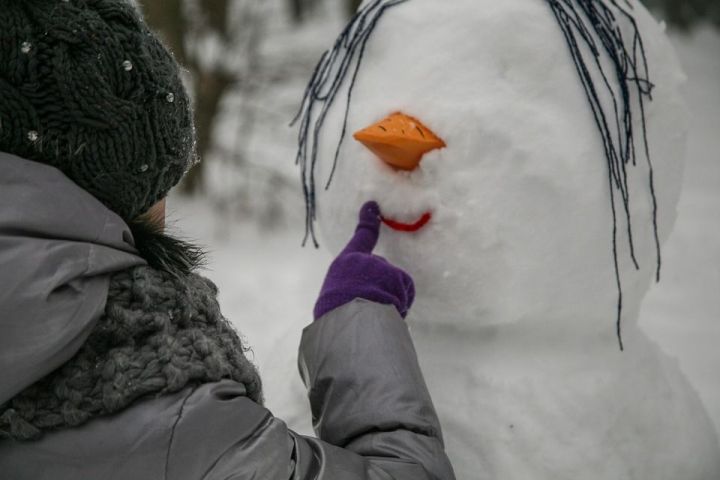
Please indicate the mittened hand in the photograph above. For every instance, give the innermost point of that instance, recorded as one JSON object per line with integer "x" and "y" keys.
{"x": 357, "y": 273}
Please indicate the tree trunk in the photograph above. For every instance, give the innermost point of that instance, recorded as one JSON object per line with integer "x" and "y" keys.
{"x": 210, "y": 88}
{"x": 296, "y": 10}
{"x": 166, "y": 17}
{"x": 352, "y": 6}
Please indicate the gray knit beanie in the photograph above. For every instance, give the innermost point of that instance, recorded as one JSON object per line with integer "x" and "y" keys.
{"x": 87, "y": 88}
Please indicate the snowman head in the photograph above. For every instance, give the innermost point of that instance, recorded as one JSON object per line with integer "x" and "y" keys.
{"x": 505, "y": 143}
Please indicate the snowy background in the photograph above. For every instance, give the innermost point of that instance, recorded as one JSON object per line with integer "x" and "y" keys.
{"x": 251, "y": 217}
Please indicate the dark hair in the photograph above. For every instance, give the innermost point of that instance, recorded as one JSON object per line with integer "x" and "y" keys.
{"x": 164, "y": 251}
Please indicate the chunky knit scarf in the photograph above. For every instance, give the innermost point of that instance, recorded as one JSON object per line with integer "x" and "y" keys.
{"x": 159, "y": 335}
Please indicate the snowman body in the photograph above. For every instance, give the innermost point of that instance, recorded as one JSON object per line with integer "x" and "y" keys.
{"x": 512, "y": 409}
{"x": 516, "y": 313}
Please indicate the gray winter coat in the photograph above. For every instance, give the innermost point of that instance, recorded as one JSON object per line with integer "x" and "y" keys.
{"x": 58, "y": 247}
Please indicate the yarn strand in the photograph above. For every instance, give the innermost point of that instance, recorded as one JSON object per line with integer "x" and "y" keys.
{"x": 325, "y": 83}
{"x": 594, "y": 25}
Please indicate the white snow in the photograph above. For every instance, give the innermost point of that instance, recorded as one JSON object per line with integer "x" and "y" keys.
{"x": 683, "y": 312}
{"x": 268, "y": 285}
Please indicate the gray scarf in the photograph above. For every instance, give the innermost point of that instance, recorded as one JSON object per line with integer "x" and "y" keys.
{"x": 159, "y": 334}
{"x": 86, "y": 326}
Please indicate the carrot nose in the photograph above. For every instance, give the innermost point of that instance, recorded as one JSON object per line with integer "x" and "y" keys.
{"x": 399, "y": 140}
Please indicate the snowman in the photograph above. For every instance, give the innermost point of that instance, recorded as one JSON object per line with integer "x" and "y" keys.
{"x": 527, "y": 156}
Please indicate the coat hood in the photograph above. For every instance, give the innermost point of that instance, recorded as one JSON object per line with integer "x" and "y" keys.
{"x": 59, "y": 246}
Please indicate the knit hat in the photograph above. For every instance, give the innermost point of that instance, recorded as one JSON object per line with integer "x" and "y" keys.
{"x": 87, "y": 88}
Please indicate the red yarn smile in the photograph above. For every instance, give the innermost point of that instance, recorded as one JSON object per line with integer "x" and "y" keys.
{"x": 408, "y": 227}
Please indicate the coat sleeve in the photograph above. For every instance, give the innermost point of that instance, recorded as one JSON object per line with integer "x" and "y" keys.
{"x": 371, "y": 411}
{"x": 368, "y": 395}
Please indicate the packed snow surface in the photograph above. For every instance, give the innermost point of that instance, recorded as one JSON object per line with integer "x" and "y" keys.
{"x": 516, "y": 299}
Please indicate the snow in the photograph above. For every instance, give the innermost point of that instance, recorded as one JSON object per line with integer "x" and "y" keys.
{"x": 268, "y": 285}
{"x": 682, "y": 313}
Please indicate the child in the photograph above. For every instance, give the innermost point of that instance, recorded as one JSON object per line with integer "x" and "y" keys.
{"x": 116, "y": 361}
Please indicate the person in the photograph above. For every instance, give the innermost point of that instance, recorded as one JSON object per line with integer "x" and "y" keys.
{"x": 115, "y": 361}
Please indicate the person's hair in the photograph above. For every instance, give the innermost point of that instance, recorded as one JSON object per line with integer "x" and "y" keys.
{"x": 164, "y": 251}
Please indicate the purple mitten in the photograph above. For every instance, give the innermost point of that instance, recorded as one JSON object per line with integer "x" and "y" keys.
{"x": 357, "y": 273}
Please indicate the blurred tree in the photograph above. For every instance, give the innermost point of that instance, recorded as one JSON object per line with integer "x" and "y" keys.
{"x": 683, "y": 14}
{"x": 217, "y": 41}
{"x": 297, "y": 10}
{"x": 352, "y": 6}
{"x": 300, "y": 9}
